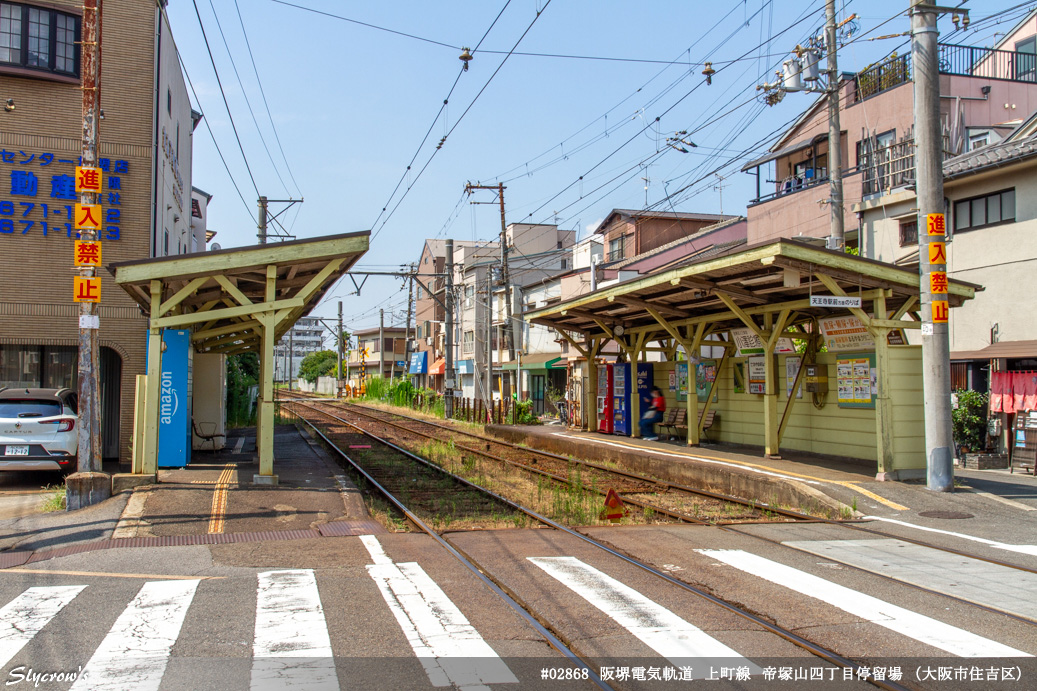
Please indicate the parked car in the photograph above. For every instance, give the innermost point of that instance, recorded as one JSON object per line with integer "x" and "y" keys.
{"x": 38, "y": 429}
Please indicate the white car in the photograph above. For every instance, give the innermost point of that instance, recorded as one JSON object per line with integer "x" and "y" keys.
{"x": 38, "y": 429}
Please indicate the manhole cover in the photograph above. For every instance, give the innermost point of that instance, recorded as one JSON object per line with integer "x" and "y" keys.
{"x": 945, "y": 514}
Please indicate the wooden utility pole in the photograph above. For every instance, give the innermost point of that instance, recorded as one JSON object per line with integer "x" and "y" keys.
{"x": 89, "y": 485}
{"x": 339, "y": 347}
{"x": 932, "y": 250}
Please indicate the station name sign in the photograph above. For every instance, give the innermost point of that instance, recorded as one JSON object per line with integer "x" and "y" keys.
{"x": 834, "y": 301}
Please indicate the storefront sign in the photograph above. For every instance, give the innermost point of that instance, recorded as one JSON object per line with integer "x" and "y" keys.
{"x": 834, "y": 301}
{"x": 748, "y": 343}
{"x": 419, "y": 363}
{"x": 845, "y": 333}
{"x": 38, "y": 194}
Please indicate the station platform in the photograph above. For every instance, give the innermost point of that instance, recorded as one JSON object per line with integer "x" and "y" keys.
{"x": 839, "y": 486}
{"x": 215, "y": 494}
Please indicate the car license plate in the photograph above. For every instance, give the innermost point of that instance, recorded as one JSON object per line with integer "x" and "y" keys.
{"x": 17, "y": 451}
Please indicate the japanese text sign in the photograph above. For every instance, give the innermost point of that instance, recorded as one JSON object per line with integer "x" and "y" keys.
{"x": 88, "y": 216}
{"x": 88, "y": 253}
{"x": 938, "y": 282}
{"x": 87, "y": 289}
{"x": 88, "y": 179}
{"x": 935, "y": 224}
{"x": 937, "y": 253}
{"x": 941, "y": 310}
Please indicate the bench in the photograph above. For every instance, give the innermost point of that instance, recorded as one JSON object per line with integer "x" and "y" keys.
{"x": 674, "y": 416}
{"x": 707, "y": 422}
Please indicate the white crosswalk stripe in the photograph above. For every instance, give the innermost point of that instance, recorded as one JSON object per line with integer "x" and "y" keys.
{"x": 23, "y": 617}
{"x": 134, "y": 653}
{"x": 936, "y": 633}
{"x": 292, "y": 648}
{"x": 447, "y": 645}
{"x": 679, "y": 641}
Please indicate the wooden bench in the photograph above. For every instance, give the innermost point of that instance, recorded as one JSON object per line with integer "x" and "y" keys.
{"x": 707, "y": 422}
{"x": 674, "y": 416}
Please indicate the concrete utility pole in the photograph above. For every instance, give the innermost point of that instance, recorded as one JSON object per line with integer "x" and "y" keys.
{"x": 291, "y": 356}
{"x": 932, "y": 251}
{"x": 448, "y": 379}
{"x": 411, "y": 309}
{"x": 89, "y": 485}
{"x": 381, "y": 343}
{"x": 505, "y": 276}
{"x": 835, "y": 168}
{"x": 262, "y": 220}
{"x": 489, "y": 337}
{"x": 339, "y": 347}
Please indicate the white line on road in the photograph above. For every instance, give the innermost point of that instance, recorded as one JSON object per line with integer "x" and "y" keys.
{"x": 375, "y": 549}
{"x": 134, "y": 653}
{"x": 657, "y": 627}
{"x": 930, "y": 631}
{"x": 1023, "y": 549}
{"x": 447, "y": 645}
{"x": 292, "y": 648}
{"x": 23, "y": 617}
{"x": 1003, "y": 500}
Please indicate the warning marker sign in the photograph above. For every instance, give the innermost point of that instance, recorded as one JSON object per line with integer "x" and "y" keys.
{"x": 614, "y": 509}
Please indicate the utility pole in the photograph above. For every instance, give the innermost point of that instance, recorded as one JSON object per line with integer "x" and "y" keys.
{"x": 88, "y": 485}
{"x": 932, "y": 250}
{"x": 262, "y": 220}
{"x": 339, "y": 346}
{"x": 411, "y": 307}
{"x": 381, "y": 343}
{"x": 505, "y": 277}
{"x": 489, "y": 337}
{"x": 835, "y": 171}
{"x": 448, "y": 379}
{"x": 291, "y": 356}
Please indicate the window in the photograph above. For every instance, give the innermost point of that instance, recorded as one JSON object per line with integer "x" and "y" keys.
{"x": 1026, "y": 60}
{"x": 978, "y": 140}
{"x": 39, "y": 39}
{"x": 565, "y": 264}
{"x": 988, "y": 210}
{"x": 419, "y": 293}
{"x": 616, "y": 249}
{"x": 469, "y": 342}
{"x": 169, "y": 101}
{"x": 469, "y": 297}
{"x": 909, "y": 232}
{"x": 419, "y": 333}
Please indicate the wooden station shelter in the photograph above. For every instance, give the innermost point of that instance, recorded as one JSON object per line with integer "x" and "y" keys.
{"x": 232, "y": 301}
{"x": 778, "y": 291}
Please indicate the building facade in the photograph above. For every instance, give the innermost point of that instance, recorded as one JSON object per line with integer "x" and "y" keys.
{"x": 307, "y": 336}
{"x": 145, "y": 153}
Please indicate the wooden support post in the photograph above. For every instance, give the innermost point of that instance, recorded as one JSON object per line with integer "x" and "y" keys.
{"x": 633, "y": 353}
{"x": 591, "y": 417}
{"x": 693, "y": 349}
{"x": 721, "y": 369}
{"x": 149, "y": 463}
{"x": 265, "y": 417}
{"x": 772, "y": 331}
{"x": 787, "y": 413}
{"x": 883, "y": 400}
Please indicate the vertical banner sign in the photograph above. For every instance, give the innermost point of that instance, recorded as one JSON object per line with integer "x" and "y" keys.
{"x": 174, "y": 425}
{"x": 936, "y": 228}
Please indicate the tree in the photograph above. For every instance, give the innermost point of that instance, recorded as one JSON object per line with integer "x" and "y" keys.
{"x": 319, "y": 364}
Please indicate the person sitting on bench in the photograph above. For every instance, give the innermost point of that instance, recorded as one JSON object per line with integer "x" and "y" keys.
{"x": 653, "y": 415}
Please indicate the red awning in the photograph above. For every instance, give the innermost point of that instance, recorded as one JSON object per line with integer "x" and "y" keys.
{"x": 438, "y": 367}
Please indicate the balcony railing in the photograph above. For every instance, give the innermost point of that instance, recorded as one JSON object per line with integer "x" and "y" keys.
{"x": 888, "y": 167}
{"x": 963, "y": 61}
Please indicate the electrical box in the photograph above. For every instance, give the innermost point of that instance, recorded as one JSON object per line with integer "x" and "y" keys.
{"x": 817, "y": 378}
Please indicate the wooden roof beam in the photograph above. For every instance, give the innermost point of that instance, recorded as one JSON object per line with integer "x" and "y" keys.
{"x": 645, "y": 304}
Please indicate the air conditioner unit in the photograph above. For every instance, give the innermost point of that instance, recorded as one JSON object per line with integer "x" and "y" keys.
{"x": 428, "y": 341}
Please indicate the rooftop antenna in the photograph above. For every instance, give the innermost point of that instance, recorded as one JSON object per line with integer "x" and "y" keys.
{"x": 720, "y": 188}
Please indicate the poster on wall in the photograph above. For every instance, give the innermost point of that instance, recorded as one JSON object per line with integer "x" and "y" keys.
{"x": 705, "y": 374}
{"x": 757, "y": 374}
{"x": 857, "y": 381}
{"x": 682, "y": 381}
{"x": 792, "y": 364}
{"x": 845, "y": 333}
{"x": 748, "y": 343}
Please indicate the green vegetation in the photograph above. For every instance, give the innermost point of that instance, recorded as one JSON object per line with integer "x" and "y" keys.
{"x": 242, "y": 388}
{"x": 969, "y": 420}
{"x": 56, "y": 501}
{"x": 320, "y": 364}
{"x": 401, "y": 393}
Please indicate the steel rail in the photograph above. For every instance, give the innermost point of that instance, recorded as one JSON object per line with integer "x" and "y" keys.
{"x": 810, "y": 646}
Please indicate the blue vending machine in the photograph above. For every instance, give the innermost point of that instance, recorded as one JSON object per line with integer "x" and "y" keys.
{"x": 622, "y": 424}
{"x": 174, "y": 401}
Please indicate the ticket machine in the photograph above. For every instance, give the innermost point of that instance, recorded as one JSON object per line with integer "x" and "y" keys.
{"x": 604, "y": 399}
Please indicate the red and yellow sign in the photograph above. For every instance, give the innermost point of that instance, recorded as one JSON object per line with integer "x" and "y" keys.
{"x": 937, "y": 252}
{"x": 88, "y": 253}
{"x": 935, "y": 224}
{"x": 941, "y": 310}
{"x": 88, "y": 216}
{"x": 614, "y": 509}
{"x": 87, "y": 289}
{"x": 938, "y": 282}
{"x": 88, "y": 179}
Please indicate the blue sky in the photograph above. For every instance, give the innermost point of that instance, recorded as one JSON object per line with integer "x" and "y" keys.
{"x": 351, "y": 105}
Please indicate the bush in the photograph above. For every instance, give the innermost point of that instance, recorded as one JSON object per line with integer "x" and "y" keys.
{"x": 320, "y": 364}
{"x": 969, "y": 420}
{"x": 525, "y": 414}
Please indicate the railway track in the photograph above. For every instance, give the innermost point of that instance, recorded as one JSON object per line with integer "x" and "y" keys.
{"x": 439, "y": 430}
{"x": 373, "y": 458}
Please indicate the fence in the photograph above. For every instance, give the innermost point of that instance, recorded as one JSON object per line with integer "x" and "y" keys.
{"x": 503, "y": 412}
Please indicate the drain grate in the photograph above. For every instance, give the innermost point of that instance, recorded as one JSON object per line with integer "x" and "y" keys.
{"x": 956, "y": 515}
